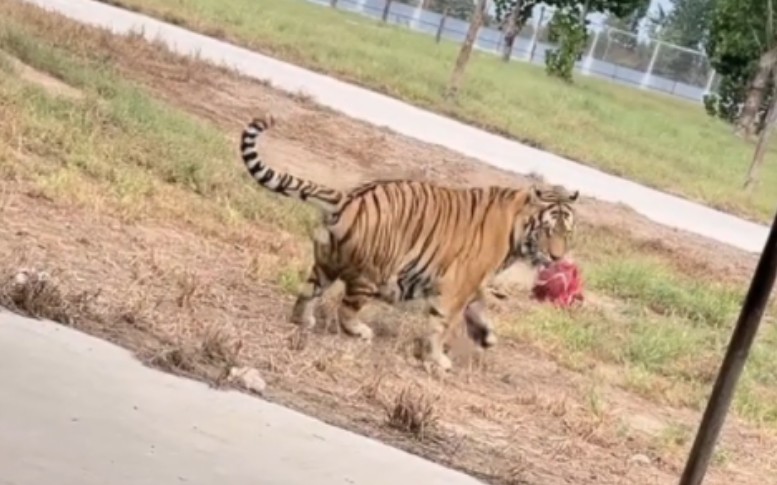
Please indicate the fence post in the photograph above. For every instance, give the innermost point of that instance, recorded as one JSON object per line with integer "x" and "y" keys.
{"x": 643, "y": 84}
{"x": 590, "y": 57}
{"x": 499, "y": 43}
{"x": 535, "y": 34}
{"x": 710, "y": 81}
{"x": 607, "y": 48}
{"x": 441, "y": 27}
{"x": 386, "y": 10}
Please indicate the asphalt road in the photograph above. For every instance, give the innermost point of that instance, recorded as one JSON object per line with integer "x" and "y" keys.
{"x": 77, "y": 410}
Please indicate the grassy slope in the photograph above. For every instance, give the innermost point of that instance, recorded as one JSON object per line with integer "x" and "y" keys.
{"x": 119, "y": 149}
{"x": 161, "y": 153}
{"x": 656, "y": 140}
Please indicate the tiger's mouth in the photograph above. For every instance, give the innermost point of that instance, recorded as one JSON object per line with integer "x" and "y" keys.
{"x": 554, "y": 245}
{"x": 541, "y": 259}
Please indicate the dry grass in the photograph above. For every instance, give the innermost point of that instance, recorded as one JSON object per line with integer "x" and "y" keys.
{"x": 212, "y": 356}
{"x": 36, "y": 294}
{"x": 413, "y": 412}
{"x": 194, "y": 268}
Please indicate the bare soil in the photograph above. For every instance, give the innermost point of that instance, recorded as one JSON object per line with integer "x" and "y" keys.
{"x": 190, "y": 303}
{"x": 51, "y": 84}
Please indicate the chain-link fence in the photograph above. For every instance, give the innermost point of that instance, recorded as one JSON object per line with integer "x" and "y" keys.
{"x": 611, "y": 53}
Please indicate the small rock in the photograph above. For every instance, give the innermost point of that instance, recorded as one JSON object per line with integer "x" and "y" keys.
{"x": 640, "y": 459}
{"x": 249, "y": 378}
{"x": 21, "y": 278}
{"x": 26, "y": 276}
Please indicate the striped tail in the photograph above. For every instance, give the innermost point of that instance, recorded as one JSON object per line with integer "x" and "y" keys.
{"x": 325, "y": 198}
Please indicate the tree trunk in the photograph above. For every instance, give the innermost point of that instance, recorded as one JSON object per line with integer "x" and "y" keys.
{"x": 747, "y": 124}
{"x": 386, "y": 10}
{"x": 763, "y": 139}
{"x": 511, "y": 30}
{"x": 466, "y": 49}
{"x": 441, "y": 27}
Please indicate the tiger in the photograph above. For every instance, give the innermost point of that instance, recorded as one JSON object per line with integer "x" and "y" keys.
{"x": 398, "y": 240}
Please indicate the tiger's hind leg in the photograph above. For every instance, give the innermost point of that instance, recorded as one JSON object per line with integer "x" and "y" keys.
{"x": 316, "y": 284}
{"x": 320, "y": 278}
{"x": 358, "y": 292}
{"x": 479, "y": 327}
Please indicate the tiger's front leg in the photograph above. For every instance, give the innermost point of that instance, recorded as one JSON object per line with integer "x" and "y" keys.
{"x": 443, "y": 315}
{"x": 358, "y": 292}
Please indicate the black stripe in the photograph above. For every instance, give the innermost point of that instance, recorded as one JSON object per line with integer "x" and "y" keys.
{"x": 267, "y": 176}
{"x": 473, "y": 205}
{"x": 349, "y": 232}
{"x": 430, "y": 238}
{"x": 419, "y": 223}
{"x": 244, "y": 145}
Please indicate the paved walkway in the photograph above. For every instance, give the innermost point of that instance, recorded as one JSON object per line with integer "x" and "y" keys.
{"x": 76, "y": 410}
{"x": 425, "y": 126}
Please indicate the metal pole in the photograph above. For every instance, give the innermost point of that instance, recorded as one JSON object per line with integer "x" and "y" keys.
{"x": 733, "y": 363}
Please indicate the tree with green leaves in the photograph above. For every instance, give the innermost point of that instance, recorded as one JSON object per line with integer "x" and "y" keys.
{"x": 742, "y": 47}
{"x": 460, "y": 9}
{"x": 631, "y": 21}
{"x": 687, "y": 24}
{"x": 569, "y": 28}
{"x": 627, "y": 28}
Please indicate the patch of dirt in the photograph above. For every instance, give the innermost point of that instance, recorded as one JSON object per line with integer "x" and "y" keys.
{"x": 49, "y": 83}
{"x": 189, "y": 303}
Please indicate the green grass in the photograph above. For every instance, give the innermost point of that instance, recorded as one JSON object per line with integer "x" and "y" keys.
{"x": 650, "y": 138}
{"x": 666, "y": 331}
{"x": 121, "y": 143}
{"x": 663, "y": 359}
{"x": 650, "y": 285}
{"x": 118, "y": 146}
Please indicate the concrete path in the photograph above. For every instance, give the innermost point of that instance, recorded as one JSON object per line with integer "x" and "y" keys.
{"x": 76, "y": 410}
{"x": 425, "y": 126}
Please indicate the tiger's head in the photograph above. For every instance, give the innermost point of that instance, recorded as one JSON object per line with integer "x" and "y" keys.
{"x": 550, "y": 225}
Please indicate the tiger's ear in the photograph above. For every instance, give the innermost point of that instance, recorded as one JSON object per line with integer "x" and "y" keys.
{"x": 543, "y": 194}
{"x": 562, "y": 194}
{"x": 535, "y": 194}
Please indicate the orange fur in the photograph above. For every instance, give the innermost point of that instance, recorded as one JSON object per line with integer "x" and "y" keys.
{"x": 400, "y": 240}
